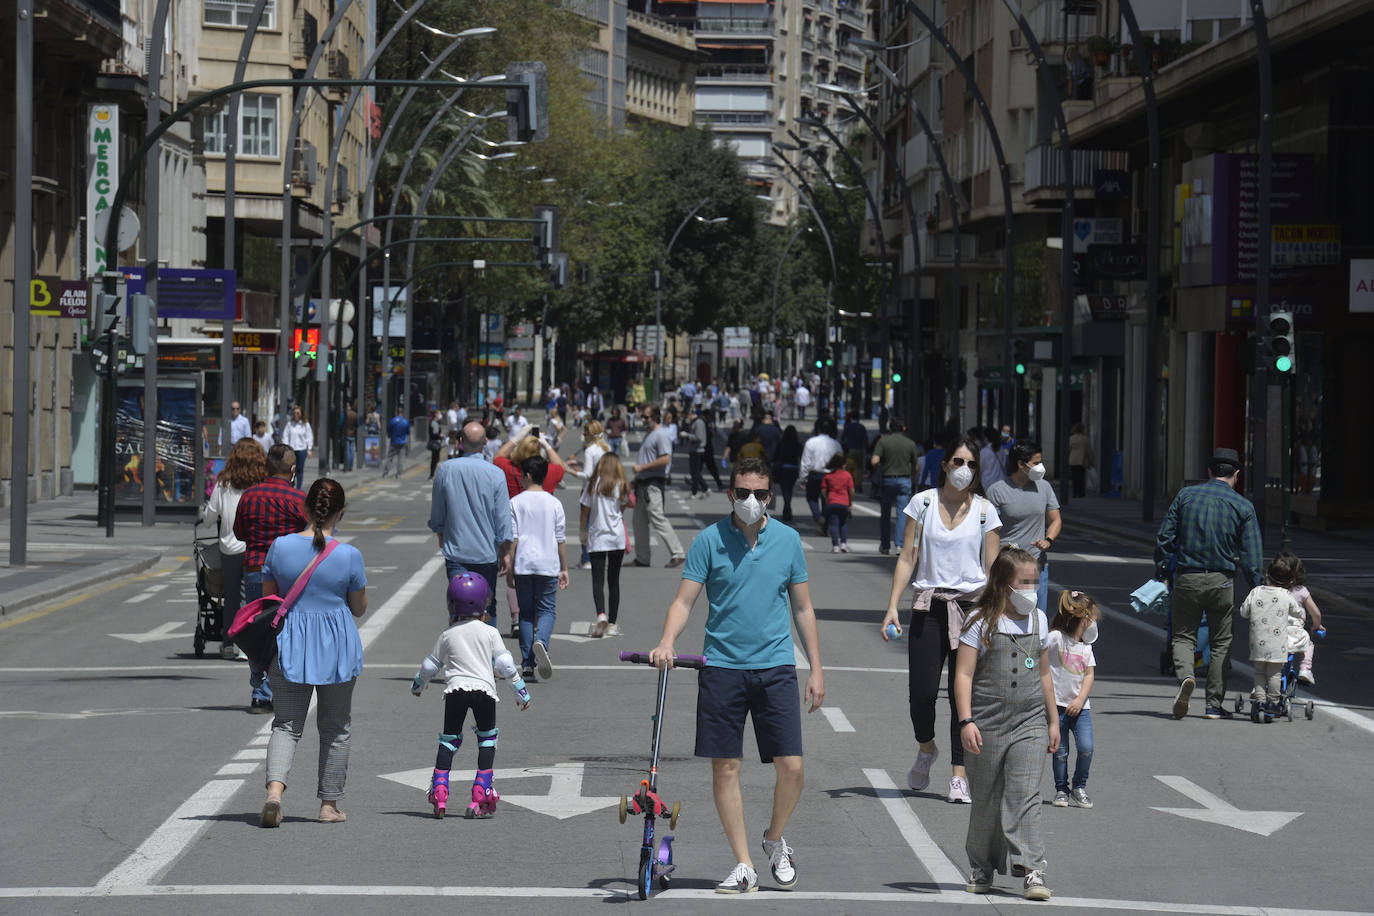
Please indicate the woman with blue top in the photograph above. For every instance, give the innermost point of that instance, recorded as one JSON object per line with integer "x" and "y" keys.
{"x": 318, "y": 649}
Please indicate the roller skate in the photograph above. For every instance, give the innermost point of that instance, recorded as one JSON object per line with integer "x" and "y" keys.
{"x": 438, "y": 792}
{"x": 483, "y": 802}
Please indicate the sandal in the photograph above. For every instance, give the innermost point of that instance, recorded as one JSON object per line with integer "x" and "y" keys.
{"x": 271, "y": 814}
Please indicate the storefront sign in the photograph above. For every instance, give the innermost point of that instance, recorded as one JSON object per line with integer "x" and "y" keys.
{"x": 1362, "y": 284}
{"x": 1096, "y": 230}
{"x": 250, "y": 342}
{"x": 1306, "y": 245}
{"x": 184, "y": 358}
{"x": 102, "y": 174}
{"x": 1108, "y": 308}
{"x": 56, "y": 298}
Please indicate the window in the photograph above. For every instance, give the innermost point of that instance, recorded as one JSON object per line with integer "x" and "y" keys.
{"x": 237, "y": 12}
{"x": 257, "y": 127}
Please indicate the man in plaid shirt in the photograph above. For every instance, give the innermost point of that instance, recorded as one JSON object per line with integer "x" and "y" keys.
{"x": 1209, "y": 533}
{"x": 266, "y": 511}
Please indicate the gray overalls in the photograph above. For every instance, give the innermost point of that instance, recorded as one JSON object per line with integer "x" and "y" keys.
{"x": 1008, "y": 705}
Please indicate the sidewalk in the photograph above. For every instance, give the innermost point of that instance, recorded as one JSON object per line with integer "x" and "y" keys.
{"x": 68, "y": 552}
{"x": 1340, "y": 565}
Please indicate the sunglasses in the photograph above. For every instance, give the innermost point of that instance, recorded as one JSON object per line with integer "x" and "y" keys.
{"x": 960, "y": 462}
{"x": 761, "y": 495}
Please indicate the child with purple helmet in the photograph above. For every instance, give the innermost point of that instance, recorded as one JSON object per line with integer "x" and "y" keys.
{"x": 466, "y": 653}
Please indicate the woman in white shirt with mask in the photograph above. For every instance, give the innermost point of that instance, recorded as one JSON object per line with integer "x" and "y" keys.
{"x": 951, "y": 539}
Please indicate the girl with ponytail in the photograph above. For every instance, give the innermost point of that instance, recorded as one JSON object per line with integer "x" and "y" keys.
{"x": 318, "y": 649}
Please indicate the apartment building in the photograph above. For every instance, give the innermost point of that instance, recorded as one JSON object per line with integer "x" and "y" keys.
{"x": 286, "y": 40}
{"x": 642, "y": 66}
{"x": 91, "y": 60}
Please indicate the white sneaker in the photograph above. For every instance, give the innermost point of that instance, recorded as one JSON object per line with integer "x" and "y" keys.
{"x": 1305, "y": 676}
{"x": 780, "y": 858}
{"x": 541, "y": 661}
{"x": 979, "y": 881}
{"x": 1034, "y": 888}
{"x": 741, "y": 880}
{"x": 844, "y": 547}
{"x": 599, "y": 628}
{"x": 918, "y": 777}
{"x": 613, "y": 629}
{"x": 835, "y": 548}
{"x": 958, "y": 791}
{"x": 229, "y": 652}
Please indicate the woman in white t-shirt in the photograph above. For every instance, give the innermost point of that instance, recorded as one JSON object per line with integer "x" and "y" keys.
{"x": 245, "y": 467}
{"x": 584, "y": 465}
{"x": 603, "y": 531}
{"x": 951, "y": 539}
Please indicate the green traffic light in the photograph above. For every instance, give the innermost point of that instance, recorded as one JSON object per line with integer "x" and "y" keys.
{"x": 819, "y": 364}
{"x": 1284, "y": 364}
{"x": 896, "y": 377}
{"x": 830, "y": 362}
{"x": 1020, "y": 368}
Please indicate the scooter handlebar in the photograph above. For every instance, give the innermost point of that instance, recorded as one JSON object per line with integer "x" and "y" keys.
{"x": 679, "y": 661}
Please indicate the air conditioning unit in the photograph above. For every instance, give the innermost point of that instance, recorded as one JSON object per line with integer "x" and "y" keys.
{"x": 304, "y": 163}
{"x": 337, "y": 67}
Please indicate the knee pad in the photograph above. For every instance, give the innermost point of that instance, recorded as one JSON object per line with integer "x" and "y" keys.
{"x": 486, "y": 738}
{"x": 450, "y": 742}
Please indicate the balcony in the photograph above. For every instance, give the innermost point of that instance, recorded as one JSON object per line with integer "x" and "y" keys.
{"x": 718, "y": 74}
{"x": 852, "y": 59}
{"x": 338, "y": 69}
{"x": 305, "y": 31}
{"x": 1044, "y": 171}
{"x": 762, "y": 28}
{"x": 853, "y": 17}
{"x": 304, "y": 164}
{"x": 746, "y": 119}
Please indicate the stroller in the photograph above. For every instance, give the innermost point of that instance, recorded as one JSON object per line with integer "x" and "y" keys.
{"x": 1288, "y": 687}
{"x": 210, "y": 622}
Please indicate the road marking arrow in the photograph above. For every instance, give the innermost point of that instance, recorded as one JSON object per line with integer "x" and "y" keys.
{"x": 564, "y": 800}
{"x": 1217, "y": 811}
{"x": 161, "y": 631}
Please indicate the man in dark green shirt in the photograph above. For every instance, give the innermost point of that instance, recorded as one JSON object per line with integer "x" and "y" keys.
{"x": 1209, "y": 533}
{"x": 895, "y": 457}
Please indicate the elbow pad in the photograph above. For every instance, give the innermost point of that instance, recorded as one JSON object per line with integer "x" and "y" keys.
{"x": 505, "y": 666}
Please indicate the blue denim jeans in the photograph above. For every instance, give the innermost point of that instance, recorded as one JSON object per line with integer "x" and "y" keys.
{"x": 1081, "y": 727}
{"x": 1042, "y": 592}
{"x": 350, "y": 452}
{"x": 252, "y": 591}
{"x": 486, "y": 571}
{"x": 537, "y": 596}
{"x": 896, "y": 492}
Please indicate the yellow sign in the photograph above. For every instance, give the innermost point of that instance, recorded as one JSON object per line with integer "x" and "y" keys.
{"x": 1306, "y": 245}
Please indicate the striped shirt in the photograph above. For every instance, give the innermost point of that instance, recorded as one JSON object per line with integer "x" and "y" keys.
{"x": 1210, "y": 527}
{"x": 267, "y": 511}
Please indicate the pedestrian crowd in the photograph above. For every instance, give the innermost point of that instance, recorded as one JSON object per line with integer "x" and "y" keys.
{"x": 976, "y": 521}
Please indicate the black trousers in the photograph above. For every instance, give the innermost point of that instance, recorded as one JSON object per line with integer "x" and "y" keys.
{"x": 927, "y": 652}
{"x": 456, "y": 706}
{"x": 606, "y": 566}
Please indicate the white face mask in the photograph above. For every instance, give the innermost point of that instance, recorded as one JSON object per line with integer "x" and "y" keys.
{"x": 961, "y": 477}
{"x": 1024, "y": 600}
{"x": 1036, "y": 472}
{"x": 748, "y": 511}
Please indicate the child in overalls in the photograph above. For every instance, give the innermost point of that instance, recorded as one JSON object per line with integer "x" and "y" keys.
{"x": 1004, "y": 698}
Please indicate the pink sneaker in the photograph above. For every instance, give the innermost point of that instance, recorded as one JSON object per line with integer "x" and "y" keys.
{"x": 478, "y": 803}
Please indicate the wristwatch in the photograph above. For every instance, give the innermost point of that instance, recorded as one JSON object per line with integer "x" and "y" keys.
{"x": 963, "y": 722}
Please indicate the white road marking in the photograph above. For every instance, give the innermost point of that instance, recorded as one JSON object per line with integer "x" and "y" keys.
{"x": 140, "y": 597}
{"x": 159, "y": 632}
{"x": 1101, "y": 558}
{"x": 799, "y": 658}
{"x": 236, "y": 769}
{"x": 580, "y": 627}
{"x": 157, "y": 853}
{"x": 411, "y": 539}
{"x": 837, "y": 719}
{"x": 927, "y": 851}
{"x": 861, "y": 509}
{"x": 1216, "y": 810}
{"x": 168, "y": 841}
{"x": 704, "y": 896}
{"x": 565, "y": 799}
{"x": 252, "y": 753}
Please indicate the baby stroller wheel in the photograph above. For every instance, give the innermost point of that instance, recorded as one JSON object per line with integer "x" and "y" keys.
{"x": 677, "y": 809}
{"x": 1289, "y": 711}
{"x": 199, "y": 642}
{"x": 1311, "y": 709}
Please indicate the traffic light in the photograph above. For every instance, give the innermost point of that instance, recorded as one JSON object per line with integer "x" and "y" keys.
{"x": 106, "y": 312}
{"x": 142, "y": 322}
{"x": 896, "y": 377}
{"x": 822, "y": 356}
{"x": 1281, "y": 351}
{"x": 527, "y": 108}
{"x": 545, "y": 235}
{"x": 1019, "y": 355}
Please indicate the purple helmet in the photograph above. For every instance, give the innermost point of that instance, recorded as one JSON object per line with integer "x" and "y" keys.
{"x": 468, "y": 595}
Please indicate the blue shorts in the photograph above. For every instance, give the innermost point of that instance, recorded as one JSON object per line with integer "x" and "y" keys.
{"x": 725, "y": 696}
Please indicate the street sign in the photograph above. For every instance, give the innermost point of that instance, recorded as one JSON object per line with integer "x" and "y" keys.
{"x": 54, "y": 298}
{"x": 100, "y": 356}
{"x": 735, "y": 337}
{"x": 203, "y": 293}
{"x": 520, "y": 356}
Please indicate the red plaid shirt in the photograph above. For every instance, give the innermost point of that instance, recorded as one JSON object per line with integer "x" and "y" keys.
{"x": 267, "y": 511}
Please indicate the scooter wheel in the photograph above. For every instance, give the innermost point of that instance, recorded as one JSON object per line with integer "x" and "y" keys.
{"x": 1290, "y": 712}
{"x": 1311, "y": 709}
{"x": 646, "y": 872}
{"x": 624, "y": 803}
{"x": 677, "y": 809}
{"x": 664, "y": 882}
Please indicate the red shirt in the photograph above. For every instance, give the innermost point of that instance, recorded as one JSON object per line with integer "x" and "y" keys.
{"x": 837, "y": 485}
{"x": 515, "y": 485}
{"x": 267, "y": 511}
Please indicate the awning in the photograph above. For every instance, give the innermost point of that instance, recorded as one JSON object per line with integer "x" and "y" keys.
{"x": 719, "y": 47}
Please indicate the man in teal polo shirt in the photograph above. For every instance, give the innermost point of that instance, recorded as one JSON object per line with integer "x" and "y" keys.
{"x": 756, "y": 583}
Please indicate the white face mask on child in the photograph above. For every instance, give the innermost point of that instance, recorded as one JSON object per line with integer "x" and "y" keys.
{"x": 1024, "y": 600}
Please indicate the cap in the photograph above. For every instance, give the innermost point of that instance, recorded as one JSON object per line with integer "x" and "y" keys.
{"x": 1225, "y": 456}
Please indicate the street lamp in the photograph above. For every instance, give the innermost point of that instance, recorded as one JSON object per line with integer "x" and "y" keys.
{"x": 659, "y": 350}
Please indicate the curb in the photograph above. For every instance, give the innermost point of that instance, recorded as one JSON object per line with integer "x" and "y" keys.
{"x": 72, "y": 583}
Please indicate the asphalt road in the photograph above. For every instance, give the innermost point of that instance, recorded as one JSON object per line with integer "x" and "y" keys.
{"x": 133, "y": 775}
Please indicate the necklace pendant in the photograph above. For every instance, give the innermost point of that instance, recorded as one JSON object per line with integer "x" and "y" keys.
{"x": 1030, "y": 663}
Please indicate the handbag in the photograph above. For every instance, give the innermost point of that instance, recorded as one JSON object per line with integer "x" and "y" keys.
{"x": 258, "y": 622}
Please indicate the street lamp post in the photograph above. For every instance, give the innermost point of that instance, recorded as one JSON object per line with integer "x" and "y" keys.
{"x": 659, "y": 349}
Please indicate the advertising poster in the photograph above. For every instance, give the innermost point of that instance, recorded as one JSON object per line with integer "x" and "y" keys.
{"x": 173, "y": 472}
{"x": 372, "y": 451}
